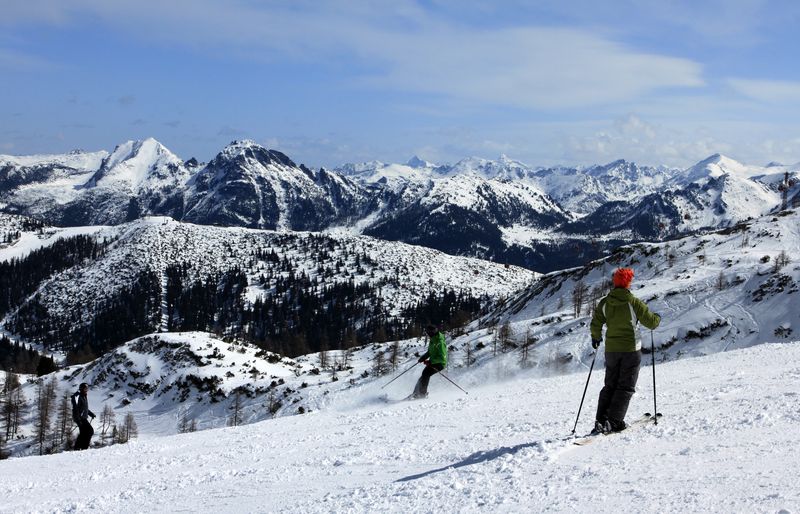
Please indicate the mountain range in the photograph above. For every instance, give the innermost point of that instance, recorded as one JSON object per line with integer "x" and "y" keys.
{"x": 501, "y": 210}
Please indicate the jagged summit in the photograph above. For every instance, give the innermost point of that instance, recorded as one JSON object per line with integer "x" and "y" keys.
{"x": 249, "y": 149}
{"x": 417, "y": 162}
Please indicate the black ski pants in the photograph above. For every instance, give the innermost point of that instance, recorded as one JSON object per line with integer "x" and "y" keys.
{"x": 622, "y": 372}
{"x": 422, "y": 384}
{"x": 85, "y": 435}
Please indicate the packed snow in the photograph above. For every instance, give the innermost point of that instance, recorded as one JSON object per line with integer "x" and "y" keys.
{"x": 726, "y": 443}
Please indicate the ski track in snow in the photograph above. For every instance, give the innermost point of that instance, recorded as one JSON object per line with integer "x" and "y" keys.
{"x": 726, "y": 444}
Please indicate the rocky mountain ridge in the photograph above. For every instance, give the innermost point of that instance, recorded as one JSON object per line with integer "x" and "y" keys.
{"x": 503, "y": 210}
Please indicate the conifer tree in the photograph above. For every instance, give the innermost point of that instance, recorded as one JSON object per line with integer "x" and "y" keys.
{"x": 46, "y": 395}
{"x": 15, "y": 405}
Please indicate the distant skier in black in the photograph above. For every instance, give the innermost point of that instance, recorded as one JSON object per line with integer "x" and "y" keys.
{"x": 80, "y": 413}
{"x": 620, "y": 312}
{"x": 435, "y": 360}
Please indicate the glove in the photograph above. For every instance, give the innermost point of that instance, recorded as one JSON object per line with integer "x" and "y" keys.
{"x": 92, "y": 415}
{"x": 596, "y": 343}
{"x": 427, "y": 362}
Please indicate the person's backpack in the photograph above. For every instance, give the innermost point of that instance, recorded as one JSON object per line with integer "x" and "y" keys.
{"x": 76, "y": 411}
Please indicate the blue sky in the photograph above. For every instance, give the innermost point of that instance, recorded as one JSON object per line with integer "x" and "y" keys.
{"x": 546, "y": 82}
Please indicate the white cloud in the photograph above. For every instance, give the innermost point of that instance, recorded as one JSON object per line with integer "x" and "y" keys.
{"x": 399, "y": 46}
{"x": 636, "y": 140}
{"x": 531, "y": 67}
{"x": 770, "y": 91}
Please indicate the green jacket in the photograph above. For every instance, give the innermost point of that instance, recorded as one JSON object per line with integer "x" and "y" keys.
{"x": 437, "y": 350}
{"x": 620, "y": 311}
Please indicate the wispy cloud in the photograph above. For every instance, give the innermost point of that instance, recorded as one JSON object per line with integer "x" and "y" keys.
{"x": 14, "y": 61}
{"x": 406, "y": 48}
{"x": 530, "y": 67}
{"x": 770, "y": 91}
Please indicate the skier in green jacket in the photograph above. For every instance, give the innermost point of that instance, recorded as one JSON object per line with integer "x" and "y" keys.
{"x": 621, "y": 312}
{"x": 435, "y": 360}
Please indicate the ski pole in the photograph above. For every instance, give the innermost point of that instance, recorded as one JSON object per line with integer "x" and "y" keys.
{"x": 448, "y": 379}
{"x": 653, "y": 352}
{"x": 400, "y": 375}
{"x": 584, "y": 392}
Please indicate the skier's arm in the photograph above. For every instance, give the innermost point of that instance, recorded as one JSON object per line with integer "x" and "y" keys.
{"x": 598, "y": 320}
{"x": 646, "y": 318}
{"x": 424, "y": 356}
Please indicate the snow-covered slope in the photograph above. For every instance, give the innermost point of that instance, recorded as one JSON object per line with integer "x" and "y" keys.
{"x": 723, "y": 290}
{"x": 36, "y": 185}
{"x": 717, "y": 165}
{"x": 725, "y": 444}
{"x": 149, "y": 246}
{"x": 77, "y": 160}
{"x": 164, "y": 377}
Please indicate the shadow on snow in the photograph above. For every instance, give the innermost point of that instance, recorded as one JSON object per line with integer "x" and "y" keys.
{"x": 475, "y": 458}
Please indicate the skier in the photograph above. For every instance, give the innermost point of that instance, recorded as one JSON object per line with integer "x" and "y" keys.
{"x": 621, "y": 312}
{"x": 435, "y": 360}
{"x": 80, "y": 413}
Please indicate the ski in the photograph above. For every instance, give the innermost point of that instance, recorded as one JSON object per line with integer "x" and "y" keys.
{"x": 643, "y": 420}
{"x": 385, "y": 398}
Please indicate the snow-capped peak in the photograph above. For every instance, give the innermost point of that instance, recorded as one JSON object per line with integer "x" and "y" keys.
{"x": 134, "y": 163}
{"x": 717, "y": 165}
{"x": 416, "y": 162}
{"x": 148, "y": 149}
{"x": 247, "y": 148}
